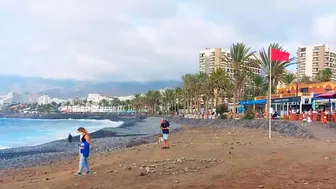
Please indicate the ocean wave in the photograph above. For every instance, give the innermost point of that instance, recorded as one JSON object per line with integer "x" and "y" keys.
{"x": 40, "y": 131}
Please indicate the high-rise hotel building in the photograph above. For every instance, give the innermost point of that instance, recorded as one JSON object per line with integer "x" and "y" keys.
{"x": 209, "y": 59}
{"x": 312, "y": 59}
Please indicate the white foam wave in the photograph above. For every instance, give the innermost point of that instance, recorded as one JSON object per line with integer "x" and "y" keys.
{"x": 84, "y": 120}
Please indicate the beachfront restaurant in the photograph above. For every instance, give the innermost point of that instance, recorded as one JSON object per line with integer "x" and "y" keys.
{"x": 279, "y": 105}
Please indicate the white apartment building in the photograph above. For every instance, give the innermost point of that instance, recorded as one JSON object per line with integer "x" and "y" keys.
{"x": 209, "y": 59}
{"x": 13, "y": 97}
{"x": 44, "y": 99}
{"x": 96, "y": 98}
{"x": 312, "y": 59}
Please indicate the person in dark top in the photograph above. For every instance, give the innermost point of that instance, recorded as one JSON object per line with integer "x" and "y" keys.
{"x": 85, "y": 135}
{"x": 69, "y": 138}
{"x": 164, "y": 126}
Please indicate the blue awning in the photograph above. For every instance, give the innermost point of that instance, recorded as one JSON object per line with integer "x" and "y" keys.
{"x": 315, "y": 95}
{"x": 252, "y": 102}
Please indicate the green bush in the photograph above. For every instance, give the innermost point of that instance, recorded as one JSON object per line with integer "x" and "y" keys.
{"x": 223, "y": 116}
{"x": 222, "y": 108}
{"x": 249, "y": 116}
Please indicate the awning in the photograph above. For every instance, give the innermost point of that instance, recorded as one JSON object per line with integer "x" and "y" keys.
{"x": 286, "y": 100}
{"x": 252, "y": 102}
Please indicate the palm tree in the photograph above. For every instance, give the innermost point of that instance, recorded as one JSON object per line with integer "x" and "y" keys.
{"x": 152, "y": 99}
{"x": 305, "y": 79}
{"x": 289, "y": 78}
{"x": 115, "y": 102}
{"x": 168, "y": 99}
{"x": 91, "y": 103}
{"x": 278, "y": 71}
{"x": 197, "y": 82}
{"x": 219, "y": 81}
{"x": 259, "y": 85}
{"x": 207, "y": 89}
{"x": 137, "y": 102}
{"x": 187, "y": 82}
{"x": 178, "y": 98}
{"x": 127, "y": 105}
{"x": 324, "y": 75}
{"x": 240, "y": 58}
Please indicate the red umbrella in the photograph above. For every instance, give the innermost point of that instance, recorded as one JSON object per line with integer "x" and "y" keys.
{"x": 328, "y": 95}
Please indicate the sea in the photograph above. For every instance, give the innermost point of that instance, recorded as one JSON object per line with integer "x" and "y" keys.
{"x": 30, "y": 132}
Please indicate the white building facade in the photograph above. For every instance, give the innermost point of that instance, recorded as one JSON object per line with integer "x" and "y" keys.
{"x": 96, "y": 98}
{"x": 312, "y": 59}
{"x": 44, "y": 99}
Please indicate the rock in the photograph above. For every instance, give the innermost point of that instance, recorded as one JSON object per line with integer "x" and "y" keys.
{"x": 261, "y": 186}
{"x": 177, "y": 181}
{"x": 230, "y": 152}
{"x": 142, "y": 174}
{"x": 116, "y": 171}
{"x": 46, "y": 179}
{"x": 326, "y": 158}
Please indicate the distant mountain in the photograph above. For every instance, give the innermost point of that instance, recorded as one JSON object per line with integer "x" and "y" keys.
{"x": 70, "y": 89}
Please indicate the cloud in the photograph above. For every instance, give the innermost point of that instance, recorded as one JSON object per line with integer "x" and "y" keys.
{"x": 148, "y": 39}
{"x": 325, "y": 27}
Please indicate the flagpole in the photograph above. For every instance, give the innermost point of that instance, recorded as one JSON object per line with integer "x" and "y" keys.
{"x": 270, "y": 96}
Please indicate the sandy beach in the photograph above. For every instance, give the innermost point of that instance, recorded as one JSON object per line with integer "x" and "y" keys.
{"x": 199, "y": 157}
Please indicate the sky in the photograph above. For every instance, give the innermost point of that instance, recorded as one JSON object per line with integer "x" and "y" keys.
{"x": 144, "y": 40}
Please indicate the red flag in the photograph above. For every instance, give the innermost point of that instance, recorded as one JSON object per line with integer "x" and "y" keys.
{"x": 277, "y": 55}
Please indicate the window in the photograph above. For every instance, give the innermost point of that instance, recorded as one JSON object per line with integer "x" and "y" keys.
{"x": 304, "y": 90}
{"x": 327, "y": 90}
{"x": 306, "y": 101}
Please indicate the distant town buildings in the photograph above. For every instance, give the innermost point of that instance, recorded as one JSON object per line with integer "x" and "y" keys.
{"x": 13, "y": 97}
{"x": 312, "y": 59}
{"x": 91, "y": 103}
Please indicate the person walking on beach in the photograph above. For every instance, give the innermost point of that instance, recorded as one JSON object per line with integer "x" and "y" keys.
{"x": 164, "y": 126}
{"x": 84, "y": 151}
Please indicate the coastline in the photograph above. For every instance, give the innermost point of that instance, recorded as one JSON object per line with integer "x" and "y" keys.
{"x": 133, "y": 132}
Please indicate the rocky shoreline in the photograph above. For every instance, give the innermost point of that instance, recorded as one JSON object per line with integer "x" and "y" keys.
{"x": 134, "y": 131}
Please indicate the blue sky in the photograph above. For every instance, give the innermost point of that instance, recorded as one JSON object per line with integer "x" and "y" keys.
{"x": 128, "y": 40}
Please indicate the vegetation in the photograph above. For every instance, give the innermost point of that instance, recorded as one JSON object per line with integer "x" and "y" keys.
{"x": 289, "y": 79}
{"x": 324, "y": 75}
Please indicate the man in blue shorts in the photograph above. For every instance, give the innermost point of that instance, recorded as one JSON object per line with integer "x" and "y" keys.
{"x": 164, "y": 126}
